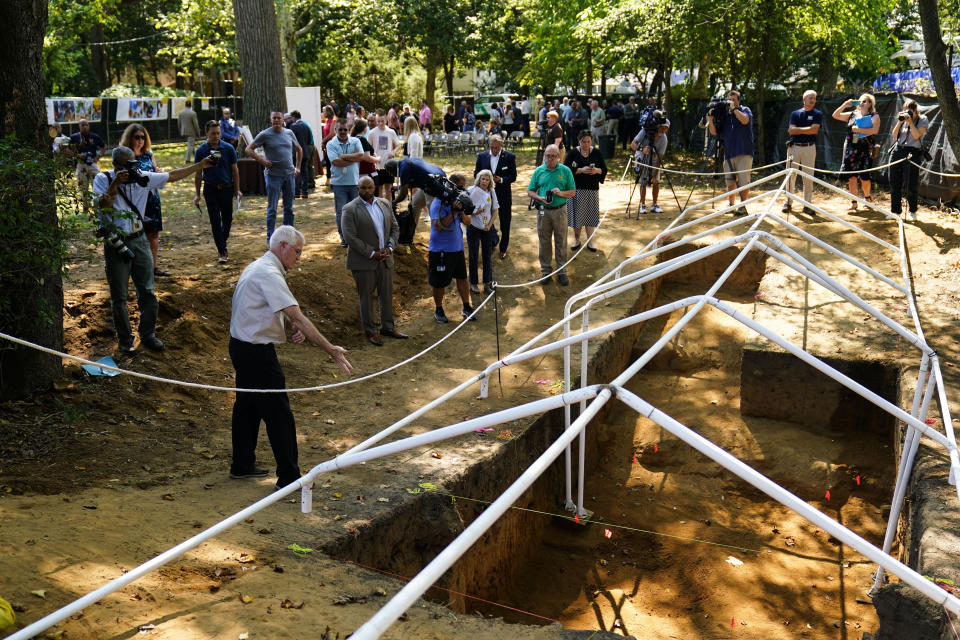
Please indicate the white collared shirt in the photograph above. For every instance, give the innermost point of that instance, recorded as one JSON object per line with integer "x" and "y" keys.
{"x": 376, "y": 214}
{"x": 494, "y": 162}
{"x": 259, "y": 300}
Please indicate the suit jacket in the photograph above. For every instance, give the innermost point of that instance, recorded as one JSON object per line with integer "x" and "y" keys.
{"x": 188, "y": 123}
{"x": 361, "y": 235}
{"x": 506, "y": 170}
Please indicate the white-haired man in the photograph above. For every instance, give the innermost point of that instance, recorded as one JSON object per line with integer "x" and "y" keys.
{"x": 262, "y": 305}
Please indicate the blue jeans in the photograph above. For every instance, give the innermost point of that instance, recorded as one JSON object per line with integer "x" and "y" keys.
{"x": 342, "y": 194}
{"x": 277, "y": 185}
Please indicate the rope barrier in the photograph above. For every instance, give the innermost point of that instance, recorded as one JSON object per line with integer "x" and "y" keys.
{"x": 877, "y": 168}
{"x": 711, "y": 174}
{"x": 210, "y": 387}
{"x": 936, "y": 173}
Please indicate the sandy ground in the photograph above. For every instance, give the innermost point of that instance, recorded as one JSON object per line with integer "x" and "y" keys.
{"x": 100, "y": 475}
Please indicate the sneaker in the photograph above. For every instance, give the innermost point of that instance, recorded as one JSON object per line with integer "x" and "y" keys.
{"x": 741, "y": 211}
{"x": 440, "y": 316}
{"x": 656, "y": 209}
{"x": 487, "y": 287}
{"x": 787, "y": 208}
{"x": 474, "y": 288}
{"x": 913, "y": 215}
{"x": 643, "y": 209}
{"x": 255, "y": 472}
{"x": 222, "y": 258}
{"x": 467, "y": 310}
{"x": 153, "y": 343}
{"x": 545, "y": 279}
{"x": 563, "y": 280}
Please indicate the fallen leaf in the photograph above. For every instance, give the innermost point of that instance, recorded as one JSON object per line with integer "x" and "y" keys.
{"x": 246, "y": 558}
{"x": 428, "y": 486}
{"x": 243, "y": 636}
{"x": 40, "y": 593}
{"x": 208, "y": 455}
{"x": 383, "y": 499}
{"x": 160, "y": 410}
{"x": 437, "y": 455}
{"x": 245, "y": 599}
{"x": 329, "y": 421}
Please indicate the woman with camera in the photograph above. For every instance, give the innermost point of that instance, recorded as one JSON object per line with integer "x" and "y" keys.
{"x": 589, "y": 170}
{"x": 863, "y": 123}
{"x": 907, "y": 133}
{"x": 136, "y": 138}
{"x": 481, "y": 234}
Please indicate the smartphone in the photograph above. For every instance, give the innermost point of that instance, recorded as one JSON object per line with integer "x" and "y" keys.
{"x": 854, "y": 103}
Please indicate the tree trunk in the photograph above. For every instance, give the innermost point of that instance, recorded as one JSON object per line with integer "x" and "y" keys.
{"x": 448, "y": 70}
{"x": 603, "y": 84}
{"x": 827, "y": 73}
{"x": 258, "y": 47}
{"x": 700, "y": 88}
{"x": 431, "y": 89}
{"x": 22, "y": 114}
{"x": 667, "y": 75}
{"x": 589, "y": 89}
{"x": 98, "y": 57}
{"x": 940, "y": 71}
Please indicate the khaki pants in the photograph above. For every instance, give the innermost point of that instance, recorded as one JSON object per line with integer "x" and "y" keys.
{"x": 806, "y": 158}
{"x": 552, "y": 225}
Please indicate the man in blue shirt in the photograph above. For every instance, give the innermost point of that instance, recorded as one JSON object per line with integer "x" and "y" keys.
{"x": 804, "y": 126}
{"x": 415, "y": 173}
{"x": 445, "y": 261}
{"x": 221, "y": 184}
{"x": 229, "y": 131}
{"x": 737, "y": 138}
{"x": 344, "y": 152}
{"x": 87, "y": 147}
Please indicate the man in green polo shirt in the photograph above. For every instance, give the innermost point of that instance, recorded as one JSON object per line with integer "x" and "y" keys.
{"x": 552, "y": 185}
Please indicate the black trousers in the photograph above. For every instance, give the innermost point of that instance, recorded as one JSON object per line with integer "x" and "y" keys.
{"x": 897, "y": 173}
{"x": 220, "y": 211}
{"x": 258, "y": 368}
{"x": 505, "y": 200}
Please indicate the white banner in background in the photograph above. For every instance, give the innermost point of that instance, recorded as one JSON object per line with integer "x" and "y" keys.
{"x": 62, "y": 110}
{"x": 142, "y": 109}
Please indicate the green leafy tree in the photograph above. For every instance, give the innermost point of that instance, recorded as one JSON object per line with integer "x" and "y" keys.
{"x": 199, "y": 37}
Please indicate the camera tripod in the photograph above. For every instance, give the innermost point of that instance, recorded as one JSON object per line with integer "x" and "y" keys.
{"x": 644, "y": 174}
{"x": 717, "y": 155}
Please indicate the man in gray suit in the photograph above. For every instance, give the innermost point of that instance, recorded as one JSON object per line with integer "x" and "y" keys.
{"x": 371, "y": 232}
{"x": 190, "y": 128}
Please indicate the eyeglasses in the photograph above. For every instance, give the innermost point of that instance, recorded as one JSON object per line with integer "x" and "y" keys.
{"x": 139, "y": 137}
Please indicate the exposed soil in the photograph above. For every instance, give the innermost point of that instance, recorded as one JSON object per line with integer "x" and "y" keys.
{"x": 102, "y": 474}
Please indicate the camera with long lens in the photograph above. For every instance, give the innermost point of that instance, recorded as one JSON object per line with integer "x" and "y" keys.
{"x": 903, "y": 115}
{"x": 548, "y": 196}
{"x": 719, "y": 108}
{"x": 136, "y": 175}
{"x": 115, "y": 240}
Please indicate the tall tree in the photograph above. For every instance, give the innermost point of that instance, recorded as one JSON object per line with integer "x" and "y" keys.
{"x": 940, "y": 71}
{"x": 296, "y": 19}
{"x": 261, "y": 65}
{"x": 31, "y": 290}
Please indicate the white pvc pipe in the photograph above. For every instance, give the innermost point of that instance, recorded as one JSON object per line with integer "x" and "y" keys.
{"x": 533, "y": 408}
{"x": 404, "y": 598}
{"x": 784, "y": 497}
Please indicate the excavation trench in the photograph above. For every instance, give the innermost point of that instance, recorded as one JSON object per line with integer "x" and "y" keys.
{"x": 677, "y": 546}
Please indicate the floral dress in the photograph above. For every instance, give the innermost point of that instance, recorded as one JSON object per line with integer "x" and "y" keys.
{"x": 857, "y": 150}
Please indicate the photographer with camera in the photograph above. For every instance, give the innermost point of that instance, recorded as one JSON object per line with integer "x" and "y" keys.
{"x": 551, "y": 185}
{"x": 122, "y": 196}
{"x": 736, "y": 130}
{"x": 221, "y": 184}
{"x": 445, "y": 261}
{"x": 803, "y": 128}
{"x": 907, "y": 134}
{"x": 87, "y": 147}
{"x": 650, "y": 144}
{"x": 863, "y": 123}
{"x": 419, "y": 179}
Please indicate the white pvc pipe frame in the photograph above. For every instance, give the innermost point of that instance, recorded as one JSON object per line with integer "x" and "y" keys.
{"x": 808, "y": 269}
{"x": 413, "y": 590}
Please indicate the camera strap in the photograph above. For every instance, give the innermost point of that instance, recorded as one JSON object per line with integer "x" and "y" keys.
{"x": 126, "y": 199}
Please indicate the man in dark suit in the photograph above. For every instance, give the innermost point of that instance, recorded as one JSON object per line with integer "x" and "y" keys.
{"x": 371, "y": 232}
{"x": 503, "y": 165}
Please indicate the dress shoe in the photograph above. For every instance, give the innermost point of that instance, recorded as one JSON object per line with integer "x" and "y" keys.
{"x": 395, "y": 334}
{"x": 503, "y": 255}
{"x": 255, "y": 472}
{"x": 563, "y": 280}
{"x": 474, "y": 288}
{"x": 153, "y": 343}
{"x": 375, "y": 340}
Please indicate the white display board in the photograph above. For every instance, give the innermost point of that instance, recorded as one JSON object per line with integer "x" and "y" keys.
{"x": 63, "y": 110}
{"x": 130, "y": 109}
{"x": 307, "y": 101}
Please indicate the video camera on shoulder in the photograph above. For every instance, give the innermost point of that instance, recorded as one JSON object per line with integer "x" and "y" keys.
{"x": 136, "y": 175}
{"x": 448, "y": 192}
